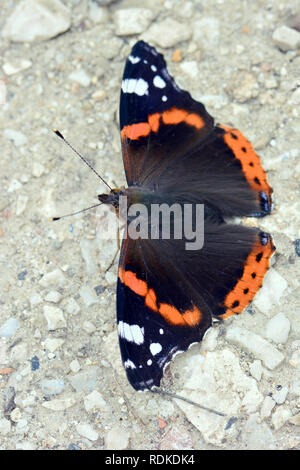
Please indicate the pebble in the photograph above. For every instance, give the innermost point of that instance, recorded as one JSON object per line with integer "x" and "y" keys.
{"x": 89, "y": 255}
{"x": 35, "y": 363}
{"x": 99, "y": 95}
{"x": 71, "y": 306}
{"x": 280, "y": 395}
{"x": 33, "y": 20}
{"x": 190, "y": 68}
{"x": 53, "y": 296}
{"x": 97, "y": 14}
{"x": 16, "y": 137}
{"x": 206, "y": 31}
{"x": 9, "y": 327}
{"x": 14, "y": 185}
{"x": 277, "y": 329}
{"x": 21, "y": 204}
{"x": 81, "y": 77}
{"x": 286, "y": 38}
{"x": 131, "y": 21}
{"x": 256, "y": 370}
{"x": 256, "y": 435}
{"x": 55, "y": 277}
{"x": 5, "y": 426}
{"x": 243, "y": 86}
{"x": 267, "y": 407}
{"x": 271, "y": 293}
{"x": 52, "y": 344}
{"x": 295, "y": 419}
{"x": 10, "y": 68}
{"x": 37, "y": 169}
{"x": 176, "y": 439}
{"x": 55, "y": 317}
{"x": 280, "y": 416}
{"x": 88, "y": 296}
{"x": 86, "y": 380}
{"x": 87, "y": 431}
{"x": 60, "y": 404}
{"x": 255, "y": 345}
{"x": 95, "y": 401}
{"x": 89, "y": 327}
{"x": 167, "y": 33}
{"x": 52, "y": 386}
{"x": 117, "y": 439}
{"x": 75, "y": 366}
{"x": 110, "y": 278}
{"x": 177, "y": 55}
{"x": 35, "y": 299}
{"x": 16, "y": 415}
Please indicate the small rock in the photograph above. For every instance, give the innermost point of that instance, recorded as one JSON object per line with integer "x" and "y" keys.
{"x": 86, "y": 380}
{"x": 95, "y": 401}
{"x": 255, "y": 345}
{"x": 190, "y": 68}
{"x": 206, "y": 31}
{"x": 35, "y": 299}
{"x": 60, "y": 404}
{"x": 55, "y": 277}
{"x": 71, "y": 306}
{"x": 257, "y": 436}
{"x": 110, "y": 278}
{"x": 272, "y": 291}
{"x": 87, "y": 296}
{"x": 256, "y": 370}
{"x": 132, "y": 21}
{"x": 278, "y": 328}
{"x": 89, "y": 255}
{"x": 97, "y": 14}
{"x": 280, "y": 395}
{"x": 35, "y": 363}
{"x": 167, "y": 33}
{"x": 52, "y": 344}
{"x": 267, "y": 407}
{"x": 16, "y": 415}
{"x": 33, "y": 20}
{"x": 55, "y": 317}
{"x": 37, "y": 169}
{"x": 10, "y": 68}
{"x": 280, "y": 416}
{"x": 5, "y": 427}
{"x": 8, "y": 329}
{"x": 53, "y": 296}
{"x": 286, "y": 38}
{"x": 16, "y": 137}
{"x": 295, "y": 420}
{"x": 177, "y": 56}
{"x": 14, "y": 185}
{"x": 117, "y": 439}
{"x": 75, "y": 366}
{"x": 52, "y": 386}
{"x": 86, "y": 430}
{"x": 21, "y": 204}
{"x": 176, "y": 439}
{"x": 99, "y": 95}
{"x": 243, "y": 86}
{"x": 80, "y": 77}
{"x": 89, "y": 327}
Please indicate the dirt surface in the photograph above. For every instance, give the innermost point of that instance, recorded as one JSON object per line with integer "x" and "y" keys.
{"x": 62, "y": 383}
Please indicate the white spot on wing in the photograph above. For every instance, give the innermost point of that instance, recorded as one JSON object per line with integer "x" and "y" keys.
{"x": 155, "y": 348}
{"x": 134, "y": 60}
{"x": 132, "y": 333}
{"x": 129, "y": 364}
{"x": 137, "y": 86}
{"x": 153, "y": 68}
{"x": 161, "y": 331}
{"x": 164, "y": 98}
{"x": 149, "y": 362}
{"x": 159, "y": 82}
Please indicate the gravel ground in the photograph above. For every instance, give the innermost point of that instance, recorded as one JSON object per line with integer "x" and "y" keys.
{"x": 61, "y": 379}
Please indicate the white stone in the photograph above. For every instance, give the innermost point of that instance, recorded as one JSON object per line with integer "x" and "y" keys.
{"x": 60, "y": 404}
{"x": 53, "y": 296}
{"x": 52, "y": 344}
{"x": 94, "y": 401}
{"x": 277, "y": 329}
{"x": 89, "y": 255}
{"x": 71, "y": 306}
{"x": 16, "y": 137}
{"x": 256, "y": 435}
{"x": 209, "y": 341}
{"x": 267, "y": 407}
{"x": 272, "y": 291}
{"x": 52, "y": 386}
{"x": 132, "y": 21}
{"x": 206, "y": 31}
{"x": 81, "y": 77}
{"x": 14, "y": 185}
{"x": 87, "y": 431}
{"x": 97, "y": 14}
{"x": 190, "y": 68}
{"x": 286, "y": 38}
{"x": 54, "y": 277}
{"x": 5, "y": 427}
{"x": 75, "y": 366}
{"x": 255, "y": 345}
{"x": 35, "y": 299}
{"x": 256, "y": 370}
{"x": 9, "y": 327}
{"x": 37, "y": 169}
{"x": 111, "y": 278}
{"x": 217, "y": 381}
{"x": 33, "y": 20}
{"x": 89, "y": 327}
{"x": 55, "y": 317}
{"x": 167, "y": 33}
{"x": 280, "y": 416}
{"x": 88, "y": 296}
{"x": 10, "y": 68}
{"x": 16, "y": 415}
{"x": 280, "y": 395}
{"x": 117, "y": 439}
{"x": 21, "y": 204}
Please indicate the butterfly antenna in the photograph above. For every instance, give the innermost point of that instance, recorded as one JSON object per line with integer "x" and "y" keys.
{"x": 53, "y": 219}
{"x": 179, "y": 397}
{"x": 59, "y": 134}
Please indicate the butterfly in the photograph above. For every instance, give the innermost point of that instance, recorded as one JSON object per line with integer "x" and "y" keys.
{"x": 173, "y": 152}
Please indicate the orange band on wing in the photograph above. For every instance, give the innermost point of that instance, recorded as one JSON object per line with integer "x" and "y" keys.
{"x": 256, "y": 266}
{"x": 171, "y": 117}
{"x": 168, "y": 312}
{"x": 250, "y": 161}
